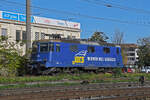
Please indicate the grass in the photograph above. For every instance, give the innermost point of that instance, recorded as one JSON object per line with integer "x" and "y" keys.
{"x": 8, "y": 80}
{"x": 27, "y": 79}
{"x": 91, "y": 77}
{"x": 35, "y": 85}
{"x": 129, "y": 77}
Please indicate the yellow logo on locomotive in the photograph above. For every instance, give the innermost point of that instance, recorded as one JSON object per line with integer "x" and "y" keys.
{"x": 78, "y": 59}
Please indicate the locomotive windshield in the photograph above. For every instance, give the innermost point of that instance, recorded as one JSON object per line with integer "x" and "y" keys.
{"x": 34, "y": 48}
{"x": 43, "y": 47}
{"x": 46, "y": 47}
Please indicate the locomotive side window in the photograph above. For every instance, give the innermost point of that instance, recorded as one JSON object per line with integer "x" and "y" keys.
{"x": 57, "y": 47}
{"x": 106, "y": 50}
{"x": 44, "y": 47}
{"x": 51, "y": 47}
{"x": 117, "y": 50}
{"x": 91, "y": 49}
{"x": 74, "y": 48}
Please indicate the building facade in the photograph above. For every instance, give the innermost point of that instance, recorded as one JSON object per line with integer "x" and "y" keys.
{"x": 13, "y": 25}
{"x": 130, "y": 53}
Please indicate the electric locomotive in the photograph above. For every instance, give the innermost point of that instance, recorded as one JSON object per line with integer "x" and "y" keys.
{"x": 62, "y": 53}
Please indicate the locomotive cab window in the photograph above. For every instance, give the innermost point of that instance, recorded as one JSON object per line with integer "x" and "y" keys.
{"x": 91, "y": 49}
{"x": 57, "y": 47}
{"x": 74, "y": 48}
{"x": 51, "y": 47}
{"x": 106, "y": 50}
{"x": 43, "y": 47}
{"x": 117, "y": 51}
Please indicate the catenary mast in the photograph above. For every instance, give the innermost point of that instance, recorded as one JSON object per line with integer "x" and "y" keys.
{"x": 28, "y": 25}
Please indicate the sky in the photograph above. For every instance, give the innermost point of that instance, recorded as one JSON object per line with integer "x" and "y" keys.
{"x": 132, "y": 17}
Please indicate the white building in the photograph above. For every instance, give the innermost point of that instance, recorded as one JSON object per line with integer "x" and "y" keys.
{"x": 130, "y": 51}
{"x": 13, "y": 26}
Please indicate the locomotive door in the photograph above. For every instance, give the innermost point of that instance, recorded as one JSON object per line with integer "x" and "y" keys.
{"x": 118, "y": 57}
{"x": 51, "y": 50}
{"x": 57, "y": 55}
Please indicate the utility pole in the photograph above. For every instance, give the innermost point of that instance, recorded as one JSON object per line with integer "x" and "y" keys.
{"x": 28, "y": 25}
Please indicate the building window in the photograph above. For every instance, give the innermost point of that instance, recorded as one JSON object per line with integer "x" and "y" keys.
{"x": 57, "y": 47}
{"x": 73, "y": 37}
{"x": 74, "y": 48}
{"x": 91, "y": 49}
{"x": 24, "y": 36}
{"x": 4, "y": 32}
{"x": 131, "y": 59}
{"x": 131, "y": 54}
{"x": 130, "y": 49}
{"x": 42, "y": 36}
{"x": 36, "y": 35}
{"x": 18, "y": 33}
{"x": 68, "y": 37}
{"x": 106, "y": 50}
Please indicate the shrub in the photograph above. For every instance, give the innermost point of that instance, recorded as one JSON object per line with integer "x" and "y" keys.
{"x": 117, "y": 72}
{"x": 10, "y": 58}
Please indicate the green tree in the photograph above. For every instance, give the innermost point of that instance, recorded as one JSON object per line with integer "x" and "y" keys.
{"x": 144, "y": 52}
{"x": 99, "y": 36}
{"x": 10, "y": 58}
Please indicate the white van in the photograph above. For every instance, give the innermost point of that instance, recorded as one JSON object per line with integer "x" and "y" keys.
{"x": 145, "y": 69}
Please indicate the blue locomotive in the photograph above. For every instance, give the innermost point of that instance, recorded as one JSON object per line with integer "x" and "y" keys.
{"x": 56, "y": 53}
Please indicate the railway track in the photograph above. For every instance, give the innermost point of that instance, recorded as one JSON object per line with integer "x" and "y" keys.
{"x": 118, "y": 91}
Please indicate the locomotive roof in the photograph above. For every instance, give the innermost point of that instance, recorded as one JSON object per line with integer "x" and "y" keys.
{"x": 79, "y": 41}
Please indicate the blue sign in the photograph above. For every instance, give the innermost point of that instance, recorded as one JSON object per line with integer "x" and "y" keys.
{"x": 22, "y": 18}
{"x": 32, "y": 19}
{"x": 10, "y": 16}
{"x": 16, "y": 17}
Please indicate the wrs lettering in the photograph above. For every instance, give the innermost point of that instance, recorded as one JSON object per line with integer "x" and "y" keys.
{"x": 78, "y": 59}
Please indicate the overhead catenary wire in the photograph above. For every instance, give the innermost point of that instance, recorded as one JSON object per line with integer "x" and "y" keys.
{"x": 78, "y": 14}
{"x": 112, "y": 4}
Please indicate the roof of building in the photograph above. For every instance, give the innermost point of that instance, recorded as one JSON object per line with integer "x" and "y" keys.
{"x": 129, "y": 45}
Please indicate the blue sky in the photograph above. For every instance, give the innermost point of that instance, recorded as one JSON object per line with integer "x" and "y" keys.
{"x": 132, "y": 32}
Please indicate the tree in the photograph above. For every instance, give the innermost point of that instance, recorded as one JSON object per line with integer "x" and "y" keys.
{"x": 118, "y": 37}
{"x": 124, "y": 56}
{"x": 99, "y": 36}
{"x": 144, "y": 52}
{"x": 10, "y": 58}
